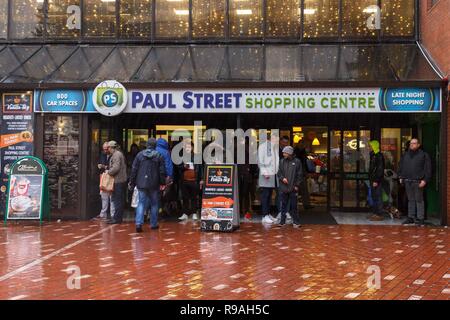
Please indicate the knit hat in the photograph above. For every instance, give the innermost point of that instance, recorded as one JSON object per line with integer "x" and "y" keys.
{"x": 151, "y": 143}
{"x": 289, "y": 150}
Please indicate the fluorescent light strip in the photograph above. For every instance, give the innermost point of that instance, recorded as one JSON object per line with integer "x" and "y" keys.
{"x": 244, "y": 11}
{"x": 181, "y": 12}
{"x": 309, "y": 11}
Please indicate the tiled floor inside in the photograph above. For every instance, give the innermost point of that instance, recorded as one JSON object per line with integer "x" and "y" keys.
{"x": 93, "y": 260}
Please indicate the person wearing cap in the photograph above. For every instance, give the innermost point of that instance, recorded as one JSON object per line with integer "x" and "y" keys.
{"x": 148, "y": 174}
{"x": 290, "y": 175}
{"x": 376, "y": 176}
{"x": 118, "y": 169}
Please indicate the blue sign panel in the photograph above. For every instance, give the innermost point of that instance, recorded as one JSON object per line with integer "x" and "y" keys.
{"x": 410, "y": 99}
{"x": 72, "y": 101}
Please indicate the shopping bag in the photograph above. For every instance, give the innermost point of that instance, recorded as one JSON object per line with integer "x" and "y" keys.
{"x": 135, "y": 198}
{"x": 106, "y": 182}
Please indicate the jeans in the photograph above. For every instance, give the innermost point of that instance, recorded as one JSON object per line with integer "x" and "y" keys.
{"x": 377, "y": 206}
{"x": 147, "y": 198}
{"x": 278, "y": 200}
{"x": 289, "y": 199}
{"x": 117, "y": 200}
{"x": 107, "y": 205}
{"x": 266, "y": 197}
{"x": 415, "y": 200}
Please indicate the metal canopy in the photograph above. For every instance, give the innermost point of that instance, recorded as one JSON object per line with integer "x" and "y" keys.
{"x": 90, "y": 64}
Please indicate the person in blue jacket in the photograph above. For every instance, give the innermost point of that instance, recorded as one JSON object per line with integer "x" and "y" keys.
{"x": 162, "y": 146}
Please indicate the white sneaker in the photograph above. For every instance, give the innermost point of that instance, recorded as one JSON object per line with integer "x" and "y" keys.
{"x": 267, "y": 220}
{"x": 183, "y": 217}
{"x": 194, "y": 216}
{"x": 288, "y": 218}
{"x": 273, "y": 218}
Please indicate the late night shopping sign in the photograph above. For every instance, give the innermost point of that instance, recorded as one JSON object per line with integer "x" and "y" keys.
{"x": 253, "y": 101}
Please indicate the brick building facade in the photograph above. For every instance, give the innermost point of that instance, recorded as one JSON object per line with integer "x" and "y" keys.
{"x": 435, "y": 37}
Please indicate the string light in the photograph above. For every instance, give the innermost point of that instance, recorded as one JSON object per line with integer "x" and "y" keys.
{"x": 321, "y": 18}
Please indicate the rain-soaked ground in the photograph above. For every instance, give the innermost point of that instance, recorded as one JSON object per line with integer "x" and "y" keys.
{"x": 93, "y": 260}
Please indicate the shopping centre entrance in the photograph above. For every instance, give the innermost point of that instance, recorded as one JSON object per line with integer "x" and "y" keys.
{"x": 336, "y": 147}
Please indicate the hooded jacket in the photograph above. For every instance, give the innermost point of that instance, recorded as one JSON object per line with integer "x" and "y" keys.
{"x": 268, "y": 162}
{"x": 291, "y": 169}
{"x": 376, "y": 165}
{"x": 148, "y": 171}
{"x": 162, "y": 146}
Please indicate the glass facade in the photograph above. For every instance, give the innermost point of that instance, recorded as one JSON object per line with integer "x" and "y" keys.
{"x": 172, "y": 18}
{"x": 3, "y": 19}
{"x": 26, "y": 19}
{"x": 136, "y": 18}
{"x": 321, "y": 18}
{"x": 99, "y": 18}
{"x": 190, "y": 20}
{"x": 208, "y": 18}
{"x": 63, "y": 19}
{"x": 283, "y": 18}
{"x": 246, "y": 18}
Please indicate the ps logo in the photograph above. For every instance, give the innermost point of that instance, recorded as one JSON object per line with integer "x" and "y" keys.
{"x": 110, "y": 98}
{"x": 74, "y": 19}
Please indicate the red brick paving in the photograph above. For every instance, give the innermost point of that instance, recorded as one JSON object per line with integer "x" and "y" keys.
{"x": 180, "y": 262}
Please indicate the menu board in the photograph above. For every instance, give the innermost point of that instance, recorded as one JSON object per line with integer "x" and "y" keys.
{"x": 16, "y": 134}
{"x": 220, "y": 203}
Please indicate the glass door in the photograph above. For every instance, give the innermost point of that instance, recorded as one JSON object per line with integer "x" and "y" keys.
{"x": 349, "y": 154}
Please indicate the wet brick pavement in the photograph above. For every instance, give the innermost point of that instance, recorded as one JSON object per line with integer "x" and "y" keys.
{"x": 256, "y": 262}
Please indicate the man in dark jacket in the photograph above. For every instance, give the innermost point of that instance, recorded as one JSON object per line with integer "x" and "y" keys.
{"x": 415, "y": 172}
{"x": 376, "y": 176}
{"x": 289, "y": 176}
{"x": 148, "y": 173}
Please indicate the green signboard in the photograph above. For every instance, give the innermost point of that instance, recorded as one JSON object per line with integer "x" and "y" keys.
{"x": 27, "y": 193}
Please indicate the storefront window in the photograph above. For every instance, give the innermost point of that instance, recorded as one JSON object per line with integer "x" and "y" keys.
{"x": 208, "y": 18}
{"x": 350, "y": 151}
{"x": 246, "y": 18}
{"x": 61, "y": 155}
{"x": 321, "y": 18}
{"x": 172, "y": 18}
{"x": 3, "y": 19}
{"x": 393, "y": 144}
{"x": 136, "y": 18}
{"x": 355, "y": 15}
{"x": 27, "y": 19}
{"x": 397, "y": 17}
{"x": 99, "y": 18}
{"x": 63, "y": 18}
{"x": 283, "y": 18}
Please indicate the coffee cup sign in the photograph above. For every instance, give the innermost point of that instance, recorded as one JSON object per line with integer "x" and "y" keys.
{"x": 27, "y": 193}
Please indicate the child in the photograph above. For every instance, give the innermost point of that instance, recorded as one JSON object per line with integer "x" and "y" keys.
{"x": 290, "y": 176}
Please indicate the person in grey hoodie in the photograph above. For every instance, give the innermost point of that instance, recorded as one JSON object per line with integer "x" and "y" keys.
{"x": 290, "y": 175}
{"x": 148, "y": 174}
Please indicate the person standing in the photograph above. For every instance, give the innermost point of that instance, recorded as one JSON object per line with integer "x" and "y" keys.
{"x": 268, "y": 161}
{"x": 105, "y": 195}
{"x": 290, "y": 175}
{"x": 191, "y": 181}
{"x": 148, "y": 174}
{"x": 415, "y": 173}
{"x": 117, "y": 169}
{"x": 376, "y": 177}
{"x": 302, "y": 154}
